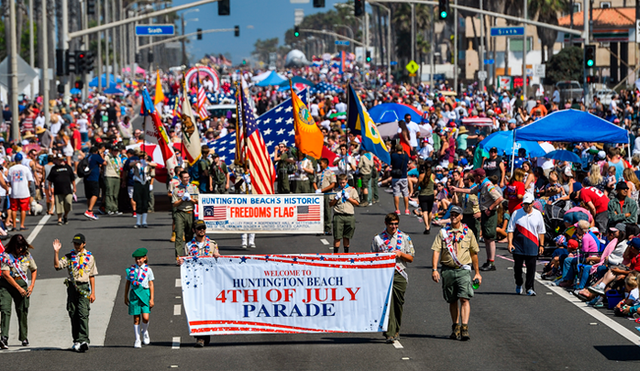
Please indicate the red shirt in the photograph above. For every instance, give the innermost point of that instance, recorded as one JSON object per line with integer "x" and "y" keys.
{"x": 513, "y": 190}
{"x": 76, "y": 140}
{"x": 635, "y": 263}
{"x": 599, "y": 199}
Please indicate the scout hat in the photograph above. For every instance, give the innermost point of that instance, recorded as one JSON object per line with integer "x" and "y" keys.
{"x": 139, "y": 253}
{"x": 456, "y": 209}
{"x": 199, "y": 223}
{"x": 79, "y": 238}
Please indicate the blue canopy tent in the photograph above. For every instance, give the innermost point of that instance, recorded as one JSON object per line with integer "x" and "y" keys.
{"x": 75, "y": 91}
{"x": 113, "y": 91}
{"x": 390, "y": 112}
{"x": 297, "y": 80}
{"x": 503, "y": 141}
{"x": 93, "y": 83}
{"x": 272, "y": 79}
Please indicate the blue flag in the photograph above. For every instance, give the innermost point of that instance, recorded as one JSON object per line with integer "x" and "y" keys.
{"x": 359, "y": 122}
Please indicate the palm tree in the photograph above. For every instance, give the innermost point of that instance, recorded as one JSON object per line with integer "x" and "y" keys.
{"x": 547, "y": 11}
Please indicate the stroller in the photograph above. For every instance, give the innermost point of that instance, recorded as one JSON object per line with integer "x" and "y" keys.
{"x": 553, "y": 223}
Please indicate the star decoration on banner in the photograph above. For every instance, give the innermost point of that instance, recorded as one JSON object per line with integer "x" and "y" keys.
{"x": 276, "y": 126}
{"x": 325, "y": 87}
{"x": 243, "y": 259}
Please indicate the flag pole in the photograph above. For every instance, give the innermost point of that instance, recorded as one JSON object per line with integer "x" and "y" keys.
{"x": 237, "y": 160}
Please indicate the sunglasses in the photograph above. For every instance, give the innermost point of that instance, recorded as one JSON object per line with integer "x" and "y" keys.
{"x": 201, "y": 229}
{"x": 394, "y": 224}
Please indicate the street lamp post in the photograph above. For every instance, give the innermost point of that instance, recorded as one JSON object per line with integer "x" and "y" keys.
{"x": 388, "y": 38}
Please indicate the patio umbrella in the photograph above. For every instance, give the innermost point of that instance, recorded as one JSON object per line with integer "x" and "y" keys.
{"x": 563, "y": 155}
{"x": 390, "y": 112}
{"x": 477, "y": 121}
{"x": 503, "y": 141}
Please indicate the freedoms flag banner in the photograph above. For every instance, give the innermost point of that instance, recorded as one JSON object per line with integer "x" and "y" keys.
{"x": 287, "y": 293}
{"x": 240, "y": 213}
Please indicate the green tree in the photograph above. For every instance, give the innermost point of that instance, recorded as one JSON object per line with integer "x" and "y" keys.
{"x": 262, "y": 48}
{"x": 547, "y": 11}
{"x": 566, "y": 65}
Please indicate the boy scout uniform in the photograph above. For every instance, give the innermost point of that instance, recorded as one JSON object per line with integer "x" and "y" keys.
{"x": 323, "y": 180}
{"x": 344, "y": 220}
{"x": 489, "y": 193}
{"x": 9, "y": 293}
{"x": 219, "y": 175}
{"x": 456, "y": 281}
{"x": 470, "y": 206}
{"x": 183, "y": 215}
{"x": 302, "y": 177}
{"x": 78, "y": 292}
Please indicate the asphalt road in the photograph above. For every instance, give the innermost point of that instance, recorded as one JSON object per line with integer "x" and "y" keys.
{"x": 546, "y": 332}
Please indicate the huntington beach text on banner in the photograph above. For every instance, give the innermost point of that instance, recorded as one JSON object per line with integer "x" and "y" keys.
{"x": 262, "y": 213}
{"x": 288, "y": 293}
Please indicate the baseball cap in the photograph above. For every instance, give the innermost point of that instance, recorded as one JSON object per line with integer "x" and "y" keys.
{"x": 456, "y": 210}
{"x": 199, "y": 223}
{"x": 561, "y": 240}
{"x": 528, "y": 198}
{"x": 619, "y": 227}
{"x": 572, "y": 244}
{"x": 18, "y": 157}
{"x": 479, "y": 172}
{"x": 622, "y": 185}
{"x": 79, "y": 238}
{"x": 635, "y": 243}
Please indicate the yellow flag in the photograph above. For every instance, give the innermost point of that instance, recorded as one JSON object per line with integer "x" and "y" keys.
{"x": 309, "y": 138}
{"x": 159, "y": 94}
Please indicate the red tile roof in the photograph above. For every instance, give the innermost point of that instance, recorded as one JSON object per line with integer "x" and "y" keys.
{"x": 603, "y": 17}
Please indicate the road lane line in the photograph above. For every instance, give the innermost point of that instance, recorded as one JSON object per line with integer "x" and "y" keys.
{"x": 176, "y": 309}
{"x": 38, "y": 228}
{"x": 593, "y": 312}
{"x": 397, "y": 345}
{"x": 178, "y": 282}
{"x": 175, "y": 343}
{"x": 324, "y": 241}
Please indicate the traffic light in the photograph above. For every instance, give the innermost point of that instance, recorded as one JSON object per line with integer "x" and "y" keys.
{"x": 91, "y": 7}
{"x": 443, "y": 9}
{"x": 85, "y": 62}
{"x": 318, "y": 3}
{"x": 244, "y": 62}
{"x": 589, "y": 56}
{"x": 593, "y": 79}
{"x": 80, "y": 55}
{"x": 236, "y": 31}
{"x": 71, "y": 65}
{"x": 223, "y": 7}
{"x": 296, "y": 31}
{"x": 199, "y": 33}
{"x": 138, "y": 58}
{"x": 358, "y": 8}
{"x": 60, "y": 88}
{"x": 79, "y": 84}
{"x": 368, "y": 56}
{"x": 60, "y": 69}
{"x": 150, "y": 57}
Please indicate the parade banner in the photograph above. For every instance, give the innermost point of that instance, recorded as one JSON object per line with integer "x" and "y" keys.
{"x": 240, "y": 213}
{"x": 287, "y": 293}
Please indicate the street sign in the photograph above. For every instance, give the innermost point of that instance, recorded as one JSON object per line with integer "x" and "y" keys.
{"x": 342, "y": 42}
{"x": 540, "y": 70}
{"x": 412, "y": 67}
{"x": 637, "y": 30}
{"x": 155, "y": 30}
{"x": 26, "y": 74}
{"x": 489, "y": 61}
{"x": 507, "y": 31}
{"x": 482, "y": 75}
{"x": 298, "y": 16}
{"x": 412, "y": 74}
{"x": 393, "y": 63}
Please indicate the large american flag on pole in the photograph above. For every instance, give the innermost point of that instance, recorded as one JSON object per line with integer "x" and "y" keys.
{"x": 201, "y": 101}
{"x": 261, "y": 167}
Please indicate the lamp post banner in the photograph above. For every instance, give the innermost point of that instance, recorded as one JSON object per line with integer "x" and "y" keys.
{"x": 312, "y": 293}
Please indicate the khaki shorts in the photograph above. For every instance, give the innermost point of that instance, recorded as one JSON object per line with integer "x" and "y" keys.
{"x": 456, "y": 284}
{"x": 343, "y": 226}
{"x": 63, "y": 203}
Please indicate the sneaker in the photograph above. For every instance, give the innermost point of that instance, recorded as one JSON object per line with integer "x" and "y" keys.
{"x": 370, "y": 204}
{"x": 389, "y": 339}
{"x": 84, "y": 346}
{"x": 75, "y": 347}
{"x": 406, "y": 212}
{"x": 135, "y": 215}
{"x": 397, "y": 212}
{"x": 59, "y": 222}
{"x": 65, "y": 220}
{"x": 146, "y": 340}
{"x": 244, "y": 245}
{"x": 117, "y": 213}
{"x": 90, "y": 215}
{"x": 137, "y": 344}
{"x": 145, "y": 226}
{"x": 413, "y": 203}
{"x": 136, "y": 226}
{"x": 488, "y": 267}
{"x": 530, "y": 292}
{"x": 200, "y": 343}
{"x": 253, "y": 246}
{"x": 455, "y": 332}
{"x": 597, "y": 289}
{"x": 518, "y": 290}
{"x": 110, "y": 213}
{"x": 4, "y": 343}
{"x": 25, "y": 342}
{"x": 464, "y": 333}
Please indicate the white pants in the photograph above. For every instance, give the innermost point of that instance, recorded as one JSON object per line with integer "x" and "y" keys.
{"x": 252, "y": 238}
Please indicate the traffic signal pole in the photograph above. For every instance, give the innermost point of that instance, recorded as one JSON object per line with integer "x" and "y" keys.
{"x": 45, "y": 64}
{"x": 15, "y": 125}
{"x": 585, "y": 38}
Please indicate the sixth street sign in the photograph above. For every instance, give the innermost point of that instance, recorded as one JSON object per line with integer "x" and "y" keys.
{"x": 155, "y": 30}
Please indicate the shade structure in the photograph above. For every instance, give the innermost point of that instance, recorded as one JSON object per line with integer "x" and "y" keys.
{"x": 477, "y": 121}
{"x": 297, "y": 80}
{"x": 390, "y": 129}
{"x": 572, "y": 126}
{"x": 75, "y": 91}
{"x": 390, "y": 112}
{"x": 261, "y": 76}
{"x": 113, "y": 91}
{"x": 503, "y": 141}
{"x": 272, "y": 79}
{"x": 563, "y": 155}
{"x": 94, "y": 82}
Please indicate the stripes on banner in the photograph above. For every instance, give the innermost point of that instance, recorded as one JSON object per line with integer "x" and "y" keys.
{"x": 309, "y": 213}
{"x": 214, "y": 213}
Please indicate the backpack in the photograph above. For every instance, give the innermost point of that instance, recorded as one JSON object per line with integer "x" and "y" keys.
{"x": 83, "y": 167}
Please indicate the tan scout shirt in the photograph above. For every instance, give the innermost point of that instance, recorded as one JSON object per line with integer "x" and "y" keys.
{"x": 468, "y": 244}
{"x": 79, "y": 275}
{"x": 346, "y": 207}
{"x": 325, "y": 178}
{"x": 378, "y": 245}
{"x": 178, "y": 192}
{"x": 26, "y": 264}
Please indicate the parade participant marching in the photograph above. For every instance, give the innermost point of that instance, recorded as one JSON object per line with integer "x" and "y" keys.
{"x": 218, "y": 176}
{"x": 81, "y": 287}
{"x": 525, "y": 235}
{"x": 138, "y": 296}
{"x": 16, "y": 263}
{"x": 325, "y": 183}
{"x": 344, "y": 220}
{"x": 183, "y": 200}
{"x": 201, "y": 245}
{"x": 304, "y": 169}
{"x": 456, "y": 248}
{"x": 393, "y": 240}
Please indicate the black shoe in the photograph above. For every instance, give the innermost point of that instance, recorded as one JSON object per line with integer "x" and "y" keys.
{"x": 145, "y": 226}
{"x": 488, "y": 267}
{"x": 200, "y": 343}
{"x": 25, "y": 342}
{"x": 65, "y": 220}
{"x": 84, "y": 347}
{"x": 4, "y": 342}
{"x": 427, "y": 231}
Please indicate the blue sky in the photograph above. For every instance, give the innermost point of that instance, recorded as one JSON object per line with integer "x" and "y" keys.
{"x": 258, "y": 19}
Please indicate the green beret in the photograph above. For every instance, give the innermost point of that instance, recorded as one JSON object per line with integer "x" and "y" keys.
{"x": 139, "y": 253}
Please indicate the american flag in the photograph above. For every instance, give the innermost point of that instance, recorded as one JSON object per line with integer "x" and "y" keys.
{"x": 215, "y": 213}
{"x": 276, "y": 126}
{"x": 202, "y": 101}
{"x": 261, "y": 168}
{"x": 309, "y": 213}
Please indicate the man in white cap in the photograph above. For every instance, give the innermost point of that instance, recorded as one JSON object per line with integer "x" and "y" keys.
{"x": 525, "y": 236}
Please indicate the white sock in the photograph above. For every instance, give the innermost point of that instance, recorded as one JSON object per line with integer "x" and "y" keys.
{"x": 138, "y": 218}
{"x": 143, "y": 328}
{"x": 136, "y": 329}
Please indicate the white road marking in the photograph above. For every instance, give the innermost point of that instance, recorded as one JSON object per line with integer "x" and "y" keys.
{"x": 397, "y": 345}
{"x": 324, "y": 241}
{"x": 593, "y": 312}
{"x": 178, "y": 282}
{"x": 38, "y": 228}
{"x": 405, "y": 358}
{"x": 177, "y": 309}
{"x": 175, "y": 343}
